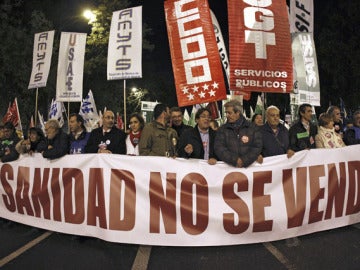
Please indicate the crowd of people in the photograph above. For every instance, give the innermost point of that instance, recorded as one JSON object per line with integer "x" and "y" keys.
{"x": 239, "y": 142}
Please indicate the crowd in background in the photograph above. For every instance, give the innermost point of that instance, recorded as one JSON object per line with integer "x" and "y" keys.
{"x": 238, "y": 142}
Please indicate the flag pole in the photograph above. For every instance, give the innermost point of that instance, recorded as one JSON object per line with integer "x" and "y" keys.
{"x": 36, "y": 105}
{"x": 125, "y": 105}
{"x": 67, "y": 116}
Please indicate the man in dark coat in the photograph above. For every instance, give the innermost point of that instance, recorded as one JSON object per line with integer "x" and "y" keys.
{"x": 107, "y": 138}
{"x": 8, "y": 143}
{"x": 302, "y": 133}
{"x": 57, "y": 140}
{"x": 238, "y": 142}
{"x": 198, "y": 142}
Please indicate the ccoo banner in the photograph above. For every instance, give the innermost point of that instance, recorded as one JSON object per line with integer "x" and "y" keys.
{"x": 69, "y": 83}
{"x": 43, "y": 46}
{"x": 260, "y": 46}
{"x": 125, "y": 44}
{"x": 194, "y": 52}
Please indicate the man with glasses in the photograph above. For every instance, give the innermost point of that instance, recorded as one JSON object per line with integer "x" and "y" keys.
{"x": 57, "y": 140}
{"x": 176, "y": 120}
{"x": 238, "y": 142}
{"x": 107, "y": 139}
{"x": 198, "y": 142}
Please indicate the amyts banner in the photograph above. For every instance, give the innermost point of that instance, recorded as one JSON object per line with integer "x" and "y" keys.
{"x": 178, "y": 202}
{"x": 306, "y": 74}
{"x": 43, "y": 46}
{"x": 69, "y": 84}
{"x": 194, "y": 52}
{"x": 125, "y": 44}
{"x": 260, "y": 46}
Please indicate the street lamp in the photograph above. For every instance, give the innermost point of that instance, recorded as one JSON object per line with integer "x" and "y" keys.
{"x": 90, "y": 15}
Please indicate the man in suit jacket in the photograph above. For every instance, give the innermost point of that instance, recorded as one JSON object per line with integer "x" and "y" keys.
{"x": 198, "y": 142}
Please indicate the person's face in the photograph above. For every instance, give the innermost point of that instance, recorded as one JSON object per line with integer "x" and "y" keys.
{"x": 231, "y": 116}
{"x": 176, "y": 118}
{"x": 273, "y": 117}
{"x": 330, "y": 125}
{"x": 357, "y": 120}
{"x": 134, "y": 124}
{"x": 7, "y": 133}
{"x": 74, "y": 125}
{"x": 33, "y": 136}
{"x": 337, "y": 115}
{"x": 258, "y": 120}
{"x": 50, "y": 131}
{"x": 204, "y": 120}
{"x": 307, "y": 114}
{"x": 108, "y": 119}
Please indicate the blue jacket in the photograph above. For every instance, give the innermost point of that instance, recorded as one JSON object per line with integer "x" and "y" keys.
{"x": 77, "y": 146}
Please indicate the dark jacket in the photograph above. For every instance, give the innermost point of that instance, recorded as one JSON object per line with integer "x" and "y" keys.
{"x": 273, "y": 144}
{"x": 350, "y": 136}
{"x": 192, "y": 136}
{"x": 180, "y": 129}
{"x": 299, "y": 139}
{"x": 241, "y": 139}
{"x": 7, "y": 149}
{"x": 60, "y": 146}
{"x": 114, "y": 140}
{"x": 77, "y": 146}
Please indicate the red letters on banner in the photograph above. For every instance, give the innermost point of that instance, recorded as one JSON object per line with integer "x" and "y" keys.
{"x": 65, "y": 200}
{"x": 194, "y": 53}
{"x": 260, "y": 46}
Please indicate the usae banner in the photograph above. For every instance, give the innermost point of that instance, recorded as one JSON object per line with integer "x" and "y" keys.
{"x": 194, "y": 52}
{"x": 125, "y": 44}
{"x": 260, "y": 46}
{"x": 69, "y": 83}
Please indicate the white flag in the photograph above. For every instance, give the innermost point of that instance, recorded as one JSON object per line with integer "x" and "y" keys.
{"x": 125, "y": 44}
{"x": 221, "y": 46}
{"x": 301, "y": 16}
{"x": 89, "y": 113}
{"x": 43, "y": 46}
{"x": 70, "y": 67}
{"x": 56, "y": 111}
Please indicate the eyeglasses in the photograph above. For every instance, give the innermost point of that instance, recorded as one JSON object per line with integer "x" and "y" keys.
{"x": 205, "y": 117}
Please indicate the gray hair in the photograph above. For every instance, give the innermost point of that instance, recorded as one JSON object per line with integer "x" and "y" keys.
{"x": 235, "y": 104}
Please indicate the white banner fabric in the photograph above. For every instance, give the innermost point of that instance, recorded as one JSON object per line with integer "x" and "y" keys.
{"x": 69, "y": 84}
{"x": 178, "y": 202}
{"x": 301, "y": 16}
{"x": 125, "y": 44}
{"x": 43, "y": 46}
{"x": 306, "y": 73}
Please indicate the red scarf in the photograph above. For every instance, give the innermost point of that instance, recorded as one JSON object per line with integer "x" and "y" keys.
{"x": 135, "y": 138}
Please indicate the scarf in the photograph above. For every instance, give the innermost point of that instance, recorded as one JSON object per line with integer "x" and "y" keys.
{"x": 135, "y": 138}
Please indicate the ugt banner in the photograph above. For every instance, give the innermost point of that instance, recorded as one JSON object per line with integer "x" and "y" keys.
{"x": 260, "y": 46}
{"x": 194, "y": 52}
{"x": 69, "y": 83}
{"x": 125, "y": 44}
{"x": 43, "y": 46}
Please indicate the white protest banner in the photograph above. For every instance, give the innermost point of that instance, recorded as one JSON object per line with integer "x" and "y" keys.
{"x": 89, "y": 112}
{"x": 179, "y": 202}
{"x": 306, "y": 75}
{"x": 125, "y": 44}
{"x": 301, "y": 16}
{"x": 69, "y": 84}
{"x": 43, "y": 46}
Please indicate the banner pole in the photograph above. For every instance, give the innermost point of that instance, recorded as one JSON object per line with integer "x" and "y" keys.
{"x": 125, "y": 105}
{"x": 36, "y": 105}
{"x": 67, "y": 116}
